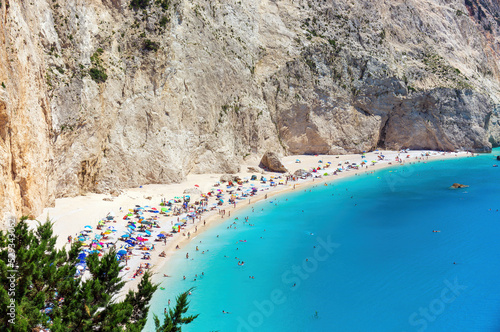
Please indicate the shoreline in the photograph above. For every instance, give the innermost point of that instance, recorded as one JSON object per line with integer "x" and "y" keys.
{"x": 213, "y": 218}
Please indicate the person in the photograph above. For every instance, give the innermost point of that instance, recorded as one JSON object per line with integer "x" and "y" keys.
{"x": 168, "y": 301}
{"x": 187, "y": 255}
{"x": 177, "y": 247}
{"x": 184, "y": 278}
{"x": 69, "y": 239}
{"x": 165, "y": 311}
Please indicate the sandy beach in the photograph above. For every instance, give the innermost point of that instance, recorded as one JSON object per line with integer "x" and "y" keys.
{"x": 71, "y": 215}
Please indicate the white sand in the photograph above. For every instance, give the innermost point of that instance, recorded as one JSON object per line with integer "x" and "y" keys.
{"x": 70, "y": 215}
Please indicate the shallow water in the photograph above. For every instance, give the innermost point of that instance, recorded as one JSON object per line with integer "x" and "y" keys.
{"x": 373, "y": 260}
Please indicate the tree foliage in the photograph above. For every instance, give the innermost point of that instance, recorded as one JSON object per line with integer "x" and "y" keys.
{"x": 173, "y": 320}
{"x": 47, "y": 293}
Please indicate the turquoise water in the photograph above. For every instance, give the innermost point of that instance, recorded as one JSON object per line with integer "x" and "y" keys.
{"x": 373, "y": 260}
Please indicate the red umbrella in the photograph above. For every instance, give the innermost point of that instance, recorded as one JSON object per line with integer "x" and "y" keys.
{"x": 196, "y": 185}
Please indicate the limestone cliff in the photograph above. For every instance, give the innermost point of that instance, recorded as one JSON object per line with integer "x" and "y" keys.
{"x": 103, "y": 94}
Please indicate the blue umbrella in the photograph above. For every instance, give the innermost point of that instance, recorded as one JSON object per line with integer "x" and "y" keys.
{"x": 179, "y": 224}
{"x": 147, "y": 232}
{"x": 161, "y": 235}
{"x": 122, "y": 252}
{"x": 82, "y": 256}
{"x": 125, "y": 235}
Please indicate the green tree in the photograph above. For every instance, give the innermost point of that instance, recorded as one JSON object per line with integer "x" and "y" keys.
{"x": 173, "y": 320}
{"x": 47, "y": 293}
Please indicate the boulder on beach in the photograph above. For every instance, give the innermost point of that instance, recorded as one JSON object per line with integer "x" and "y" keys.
{"x": 271, "y": 162}
{"x": 192, "y": 191}
{"x": 301, "y": 172}
{"x": 253, "y": 169}
{"x": 458, "y": 185}
{"x": 229, "y": 177}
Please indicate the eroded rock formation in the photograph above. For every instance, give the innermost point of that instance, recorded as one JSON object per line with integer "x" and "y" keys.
{"x": 97, "y": 95}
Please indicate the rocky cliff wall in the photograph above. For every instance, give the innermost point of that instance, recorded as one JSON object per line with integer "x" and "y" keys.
{"x": 104, "y": 94}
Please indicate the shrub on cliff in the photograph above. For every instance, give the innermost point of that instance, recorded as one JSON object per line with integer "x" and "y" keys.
{"x": 98, "y": 74}
{"x": 139, "y": 4}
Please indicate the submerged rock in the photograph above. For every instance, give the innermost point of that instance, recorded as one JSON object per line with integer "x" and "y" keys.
{"x": 458, "y": 185}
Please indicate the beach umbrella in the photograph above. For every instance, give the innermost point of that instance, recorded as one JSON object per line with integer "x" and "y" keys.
{"x": 161, "y": 235}
{"x": 125, "y": 235}
{"x": 87, "y": 227}
{"x": 122, "y": 252}
{"x": 147, "y": 232}
{"x": 178, "y": 224}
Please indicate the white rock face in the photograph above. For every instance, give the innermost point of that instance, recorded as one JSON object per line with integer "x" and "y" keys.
{"x": 199, "y": 85}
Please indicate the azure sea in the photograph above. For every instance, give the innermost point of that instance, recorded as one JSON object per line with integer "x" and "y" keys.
{"x": 396, "y": 250}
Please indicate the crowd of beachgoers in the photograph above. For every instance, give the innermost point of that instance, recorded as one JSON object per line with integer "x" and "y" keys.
{"x": 143, "y": 235}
